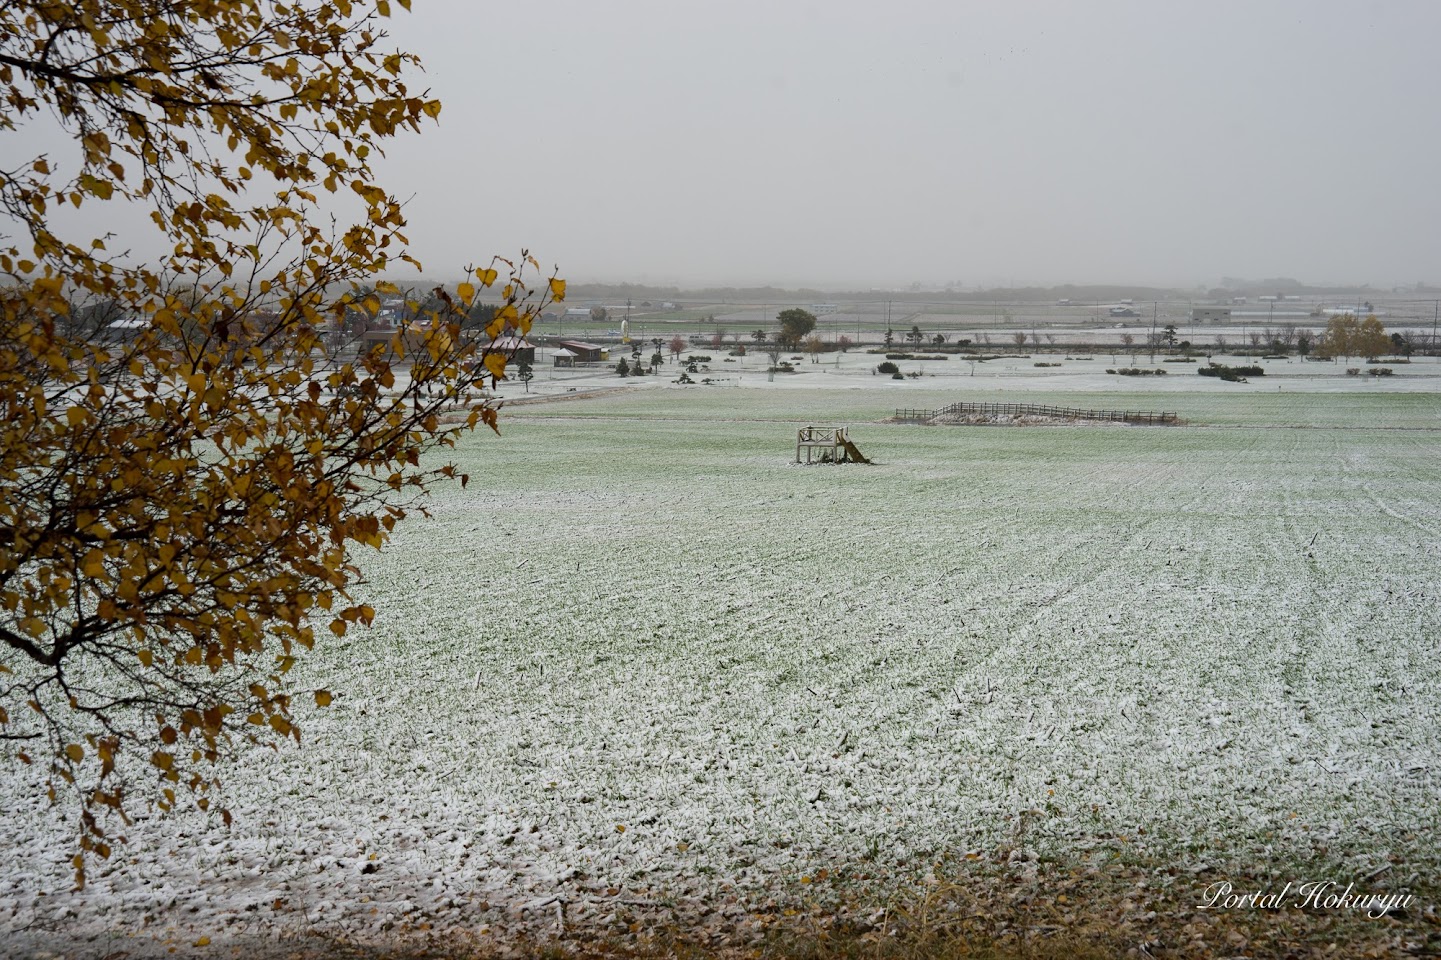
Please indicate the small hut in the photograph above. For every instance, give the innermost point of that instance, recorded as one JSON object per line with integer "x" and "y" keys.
{"x": 564, "y": 357}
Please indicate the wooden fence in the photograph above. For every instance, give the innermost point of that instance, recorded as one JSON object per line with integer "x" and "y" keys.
{"x": 1034, "y": 410}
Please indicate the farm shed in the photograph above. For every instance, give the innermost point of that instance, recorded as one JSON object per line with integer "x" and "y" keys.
{"x": 1210, "y": 314}
{"x": 379, "y": 338}
{"x": 517, "y": 348}
{"x": 584, "y": 352}
{"x": 126, "y": 329}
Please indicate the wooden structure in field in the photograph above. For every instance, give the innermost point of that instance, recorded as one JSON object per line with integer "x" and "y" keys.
{"x": 827, "y": 445}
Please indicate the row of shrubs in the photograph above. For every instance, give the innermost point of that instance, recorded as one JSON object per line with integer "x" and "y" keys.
{"x": 1232, "y": 374}
{"x": 1393, "y": 360}
{"x": 1370, "y": 371}
{"x": 916, "y": 356}
{"x": 1045, "y": 364}
{"x": 958, "y": 346}
{"x": 1138, "y": 372}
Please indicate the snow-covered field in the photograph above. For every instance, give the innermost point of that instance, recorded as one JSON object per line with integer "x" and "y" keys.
{"x": 644, "y": 664}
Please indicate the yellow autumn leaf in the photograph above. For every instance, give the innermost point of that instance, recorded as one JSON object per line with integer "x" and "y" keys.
{"x": 323, "y": 698}
{"x": 495, "y": 363}
{"x": 557, "y": 290}
{"x": 487, "y": 276}
{"x": 75, "y": 752}
{"x": 466, "y": 291}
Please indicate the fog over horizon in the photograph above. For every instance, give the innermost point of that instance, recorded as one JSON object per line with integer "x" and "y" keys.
{"x": 835, "y": 144}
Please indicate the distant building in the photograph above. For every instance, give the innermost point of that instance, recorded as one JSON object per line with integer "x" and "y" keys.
{"x": 126, "y": 329}
{"x": 583, "y": 352}
{"x": 1210, "y": 314}
{"x": 517, "y": 348}
{"x": 379, "y": 339}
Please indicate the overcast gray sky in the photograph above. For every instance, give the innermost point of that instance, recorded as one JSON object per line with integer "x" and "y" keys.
{"x": 852, "y": 143}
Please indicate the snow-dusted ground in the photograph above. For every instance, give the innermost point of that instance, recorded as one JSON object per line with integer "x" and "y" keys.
{"x": 646, "y": 665}
{"x": 855, "y": 370}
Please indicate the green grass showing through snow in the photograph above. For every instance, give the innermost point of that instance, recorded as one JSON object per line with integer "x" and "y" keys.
{"x": 644, "y": 652}
{"x": 1217, "y": 636}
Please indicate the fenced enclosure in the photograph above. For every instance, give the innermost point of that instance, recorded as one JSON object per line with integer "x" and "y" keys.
{"x": 1034, "y": 410}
